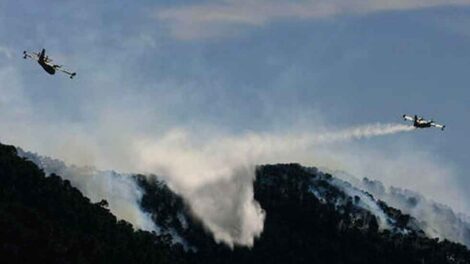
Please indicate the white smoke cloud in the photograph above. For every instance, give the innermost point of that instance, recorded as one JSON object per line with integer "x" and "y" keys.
{"x": 365, "y": 202}
{"x": 216, "y": 176}
{"x": 215, "y": 173}
{"x": 405, "y": 167}
{"x": 435, "y": 219}
{"x": 120, "y": 190}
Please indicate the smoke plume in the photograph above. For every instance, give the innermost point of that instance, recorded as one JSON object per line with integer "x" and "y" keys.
{"x": 216, "y": 175}
{"x": 121, "y": 191}
{"x": 365, "y": 131}
{"x": 213, "y": 173}
{"x": 436, "y": 219}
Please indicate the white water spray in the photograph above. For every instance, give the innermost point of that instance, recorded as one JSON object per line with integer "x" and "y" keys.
{"x": 365, "y": 131}
{"x": 216, "y": 176}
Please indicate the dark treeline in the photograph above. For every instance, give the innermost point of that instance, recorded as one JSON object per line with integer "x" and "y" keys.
{"x": 46, "y": 220}
{"x": 301, "y": 229}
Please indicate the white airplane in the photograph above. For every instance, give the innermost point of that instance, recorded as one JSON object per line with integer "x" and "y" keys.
{"x": 46, "y": 64}
{"x": 420, "y": 122}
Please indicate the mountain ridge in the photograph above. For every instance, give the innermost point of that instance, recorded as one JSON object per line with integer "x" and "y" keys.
{"x": 301, "y": 226}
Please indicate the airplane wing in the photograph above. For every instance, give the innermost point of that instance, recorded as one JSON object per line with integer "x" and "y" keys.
{"x": 33, "y": 55}
{"x": 70, "y": 74}
{"x": 438, "y": 125}
{"x": 409, "y": 118}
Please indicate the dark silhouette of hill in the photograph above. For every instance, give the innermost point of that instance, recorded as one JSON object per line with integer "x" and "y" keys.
{"x": 310, "y": 218}
{"x": 46, "y": 220}
{"x": 301, "y": 227}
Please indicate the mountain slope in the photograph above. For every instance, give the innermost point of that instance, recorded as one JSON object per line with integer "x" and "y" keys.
{"x": 437, "y": 220}
{"x": 46, "y": 220}
{"x": 311, "y": 217}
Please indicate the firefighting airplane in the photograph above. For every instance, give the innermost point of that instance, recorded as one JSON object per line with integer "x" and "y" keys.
{"x": 46, "y": 63}
{"x": 420, "y": 122}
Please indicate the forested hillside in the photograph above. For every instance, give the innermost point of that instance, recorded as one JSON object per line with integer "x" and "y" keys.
{"x": 311, "y": 217}
{"x": 46, "y": 220}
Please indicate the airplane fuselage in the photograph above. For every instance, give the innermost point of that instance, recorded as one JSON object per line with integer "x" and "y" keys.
{"x": 48, "y": 68}
{"x": 422, "y": 124}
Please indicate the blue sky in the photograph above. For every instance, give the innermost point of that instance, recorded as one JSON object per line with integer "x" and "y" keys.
{"x": 234, "y": 67}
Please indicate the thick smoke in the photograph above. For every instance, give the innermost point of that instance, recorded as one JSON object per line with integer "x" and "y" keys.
{"x": 214, "y": 174}
{"x": 366, "y": 202}
{"x": 436, "y": 219}
{"x": 121, "y": 192}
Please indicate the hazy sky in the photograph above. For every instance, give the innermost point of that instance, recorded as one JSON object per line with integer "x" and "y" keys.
{"x": 238, "y": 66}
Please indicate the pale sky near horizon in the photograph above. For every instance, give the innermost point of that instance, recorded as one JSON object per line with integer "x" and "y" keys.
{"x": 242, "y": 66}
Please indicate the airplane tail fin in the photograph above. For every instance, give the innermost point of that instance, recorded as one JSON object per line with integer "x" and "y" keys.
{"x": 42, "y": 54}
{"x": 442, "y": 128}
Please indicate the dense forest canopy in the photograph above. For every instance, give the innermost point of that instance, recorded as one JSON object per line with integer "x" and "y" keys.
{"x": 46, "y": 220}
